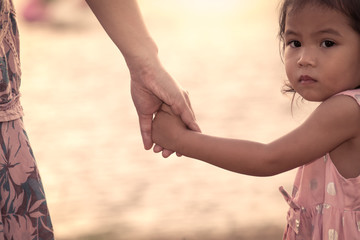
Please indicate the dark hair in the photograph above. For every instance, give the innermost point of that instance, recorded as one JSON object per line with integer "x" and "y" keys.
{"x": 350, "y": 8}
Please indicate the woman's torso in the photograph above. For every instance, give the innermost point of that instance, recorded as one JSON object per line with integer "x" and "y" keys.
{"x": 10, "y": 71}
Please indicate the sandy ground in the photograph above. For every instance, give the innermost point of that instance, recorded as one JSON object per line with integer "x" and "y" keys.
{"x": 100, "y": 183}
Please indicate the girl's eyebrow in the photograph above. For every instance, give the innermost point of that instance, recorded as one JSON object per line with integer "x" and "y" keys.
{"x": 323, "y": 31}
{"x": 290, "y": 32}
{"x": 329, "y": 31}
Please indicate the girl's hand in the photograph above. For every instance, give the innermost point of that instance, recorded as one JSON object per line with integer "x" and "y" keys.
{"x": 167, "y": 129}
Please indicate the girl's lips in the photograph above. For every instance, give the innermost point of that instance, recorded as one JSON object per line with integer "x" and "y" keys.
{"x": 306, "y": 79}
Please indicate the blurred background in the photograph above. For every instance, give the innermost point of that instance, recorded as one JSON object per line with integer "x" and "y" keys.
{"x": 100, "y": 183}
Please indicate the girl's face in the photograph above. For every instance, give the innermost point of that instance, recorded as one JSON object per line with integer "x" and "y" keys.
{"x": 322, "y": 52}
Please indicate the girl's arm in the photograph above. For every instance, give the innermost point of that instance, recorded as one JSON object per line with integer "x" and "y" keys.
{"x": 332, "y": 123}
{"x": 151, "y": 84}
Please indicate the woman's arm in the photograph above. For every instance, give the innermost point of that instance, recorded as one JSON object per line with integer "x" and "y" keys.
{"x": 332, "y": 123}
{"x": 151, "y": 84}
{"x": 123, "y": 22}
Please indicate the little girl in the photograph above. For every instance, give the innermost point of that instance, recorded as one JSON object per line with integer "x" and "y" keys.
{"x": 321, "y": 51}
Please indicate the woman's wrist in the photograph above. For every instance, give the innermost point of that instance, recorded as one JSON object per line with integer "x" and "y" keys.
{"x": 141, "y": 54}
{"x": 143, "y": 65}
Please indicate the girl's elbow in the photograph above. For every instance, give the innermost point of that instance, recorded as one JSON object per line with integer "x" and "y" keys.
{"x": 270, "y": 166}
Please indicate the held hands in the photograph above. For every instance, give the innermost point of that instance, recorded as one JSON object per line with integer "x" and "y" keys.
{"x": 167, "y": 129}
{"x": 151, "y": 86}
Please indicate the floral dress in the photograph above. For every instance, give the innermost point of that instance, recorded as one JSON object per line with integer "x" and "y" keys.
{"x": 324, "y": 205}
{"x": 23, "y": 210}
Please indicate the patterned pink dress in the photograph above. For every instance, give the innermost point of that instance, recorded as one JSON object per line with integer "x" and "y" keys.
{"x": 324, "y": 205}
{"x": 24, "y": 213}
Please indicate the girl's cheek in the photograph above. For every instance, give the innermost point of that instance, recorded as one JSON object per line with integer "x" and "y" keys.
{"x": 290, "y": 61}
{"x": 287, "y": 69}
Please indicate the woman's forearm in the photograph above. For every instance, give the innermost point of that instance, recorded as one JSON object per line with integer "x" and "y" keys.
{"x": 123, "y": 22}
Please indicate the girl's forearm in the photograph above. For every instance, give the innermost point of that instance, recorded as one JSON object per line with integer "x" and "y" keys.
{"x": 245, "y": 157}
{"x": 124, "y": 24}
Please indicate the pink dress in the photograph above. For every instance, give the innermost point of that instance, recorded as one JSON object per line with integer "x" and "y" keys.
{"x": 324, "y": 205}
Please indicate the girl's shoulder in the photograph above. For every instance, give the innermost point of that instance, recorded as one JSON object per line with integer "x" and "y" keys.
{"x": 355, "y": 93}
{"x": 345, "y": 104}
{"x": 342, "y": 112}
{"x": 346, "y": 101}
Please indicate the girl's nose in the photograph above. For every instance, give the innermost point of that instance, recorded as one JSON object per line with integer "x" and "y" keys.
{"x": 307, "y": 58}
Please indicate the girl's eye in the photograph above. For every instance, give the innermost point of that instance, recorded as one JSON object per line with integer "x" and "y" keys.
{"x": 327, "y": 44}
{"x": 294, "y": 44}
